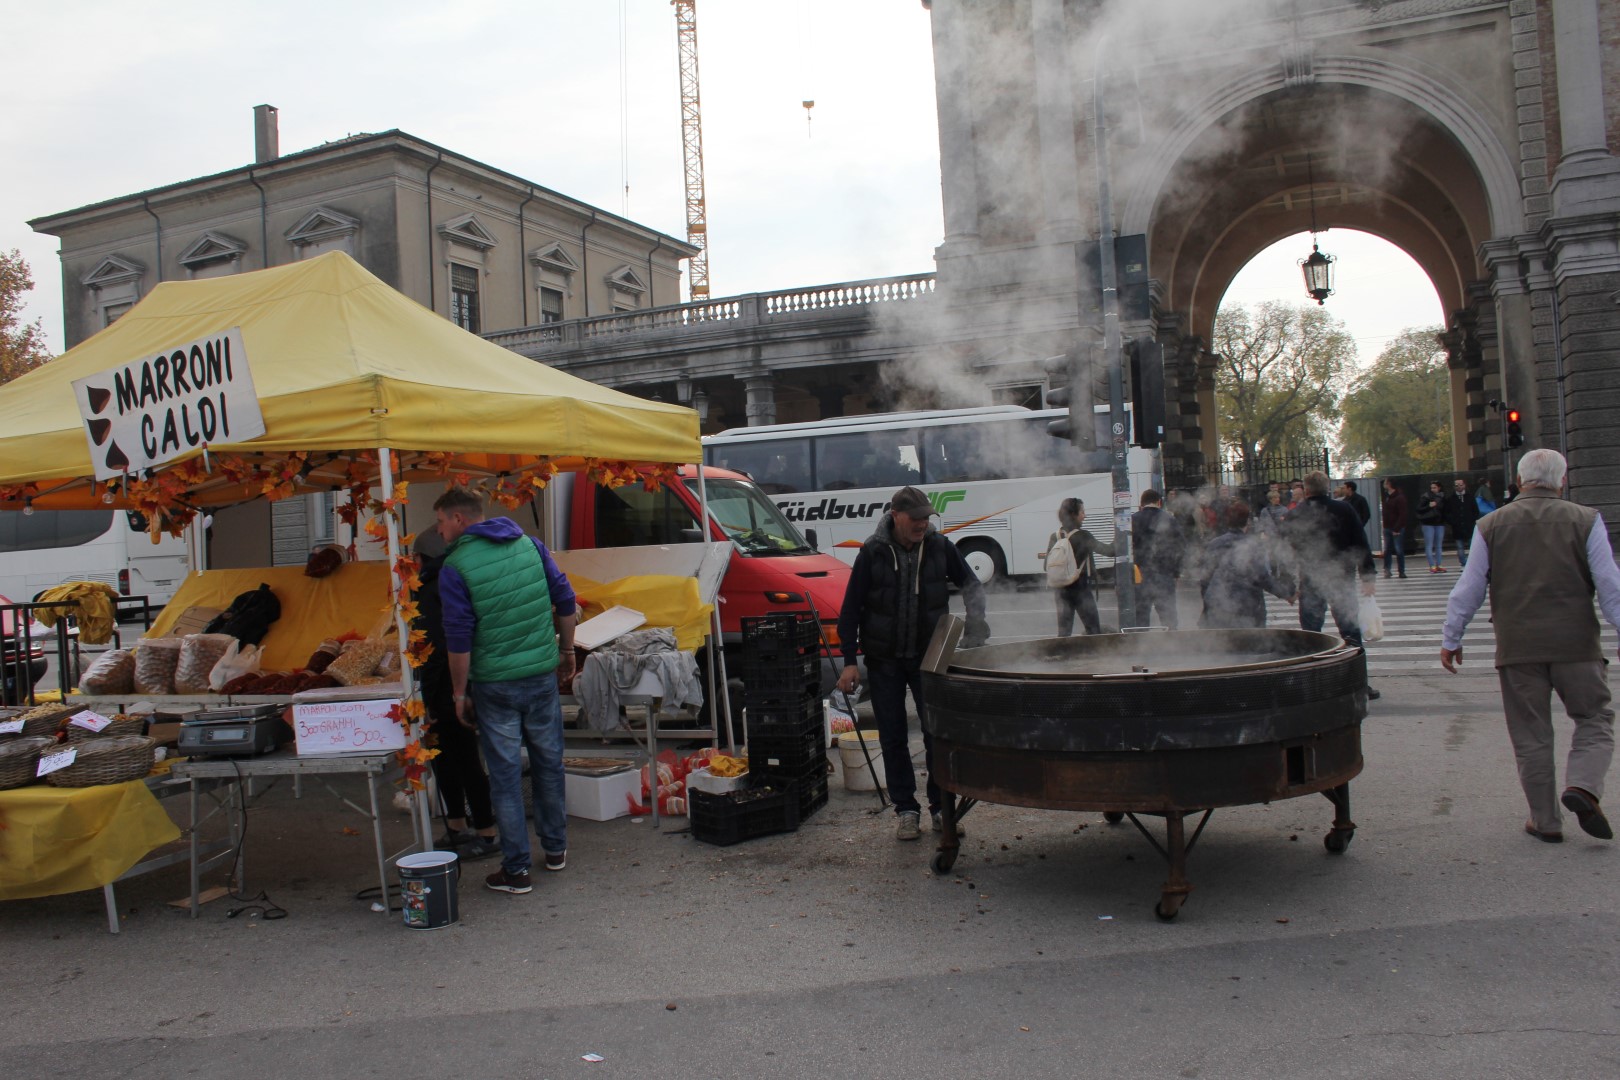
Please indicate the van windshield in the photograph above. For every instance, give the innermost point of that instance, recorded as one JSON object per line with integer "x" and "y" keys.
{"x": 750, "y": 520}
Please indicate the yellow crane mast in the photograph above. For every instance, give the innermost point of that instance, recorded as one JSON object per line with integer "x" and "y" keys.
{"x": 697, "y": 227}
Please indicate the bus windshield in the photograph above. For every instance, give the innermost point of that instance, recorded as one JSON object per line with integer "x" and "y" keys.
{"x": 750, "y": 520}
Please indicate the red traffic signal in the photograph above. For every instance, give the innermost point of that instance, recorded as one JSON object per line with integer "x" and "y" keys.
{"x": 1513, "y": 416}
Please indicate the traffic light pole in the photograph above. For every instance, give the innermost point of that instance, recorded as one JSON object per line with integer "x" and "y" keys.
{"x": 1114, "y": 358}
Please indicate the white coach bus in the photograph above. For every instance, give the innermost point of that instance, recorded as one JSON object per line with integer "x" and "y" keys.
{"x": 49, "y": 547}
{"x": 994, "y": 474}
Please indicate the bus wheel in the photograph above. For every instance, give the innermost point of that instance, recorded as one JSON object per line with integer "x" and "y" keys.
{"x": 985, "y": 559}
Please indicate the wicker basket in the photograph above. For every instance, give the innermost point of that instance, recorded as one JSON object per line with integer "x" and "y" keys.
{"x": 19, "y": 758}
{"x": 120, "y": 725}
{"x": 112, "y": 760}
{"x": 46, "y": 719}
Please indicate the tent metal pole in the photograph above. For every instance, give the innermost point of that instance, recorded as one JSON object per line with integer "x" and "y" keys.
{"x": 385, "y": 467}
{"x": 717, "y": 637}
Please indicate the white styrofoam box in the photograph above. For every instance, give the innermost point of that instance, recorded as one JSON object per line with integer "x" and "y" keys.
{"x": 603, "y": 798}
{"x": 323, "y": 728}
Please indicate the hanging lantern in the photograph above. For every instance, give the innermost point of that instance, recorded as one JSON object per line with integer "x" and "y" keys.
{"x": 1318, "y": 271}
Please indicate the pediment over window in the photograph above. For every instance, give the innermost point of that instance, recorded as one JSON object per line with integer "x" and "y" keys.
{"x": 467, "y": 229}
{"x": 113, "y": 270}
{"x": 625, "y": 279}
{"x": 320, "y": 225}
{"x": 554, "y": 258}
{"x": 212, "y": 247}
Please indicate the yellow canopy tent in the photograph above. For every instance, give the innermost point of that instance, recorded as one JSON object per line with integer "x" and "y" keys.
{"x": 340, "y": 363}
{"x": 357, "y": 384}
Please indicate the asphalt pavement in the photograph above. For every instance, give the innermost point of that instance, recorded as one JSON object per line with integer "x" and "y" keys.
{"x": 1444, "y": 943}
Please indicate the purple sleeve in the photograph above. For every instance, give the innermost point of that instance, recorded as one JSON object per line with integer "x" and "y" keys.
{"x": 456, "y": 601}
{"x": 562, "y": 593}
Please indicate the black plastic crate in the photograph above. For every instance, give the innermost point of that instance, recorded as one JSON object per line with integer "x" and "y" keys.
{"x": 789, "y": 720}
{"x": 796, "y": 672}
{"x": 786, "y": 632}
{"x": 790, "y": 754}
{"x": 809, "y": 784}
{"x": 736, "y": 816}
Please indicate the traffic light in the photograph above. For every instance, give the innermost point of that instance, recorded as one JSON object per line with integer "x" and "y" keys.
{"x": 1514, "y": 434}
{"x": 1070, "y": 376}
{"x": 1146, "y": 358}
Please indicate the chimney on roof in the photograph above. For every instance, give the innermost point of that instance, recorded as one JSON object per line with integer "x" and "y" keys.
{"x": 266, "y": 137}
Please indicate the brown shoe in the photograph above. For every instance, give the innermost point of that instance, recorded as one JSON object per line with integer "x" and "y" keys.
{"x": 1584, "y": 805}
{"x": 1547, "y": 837}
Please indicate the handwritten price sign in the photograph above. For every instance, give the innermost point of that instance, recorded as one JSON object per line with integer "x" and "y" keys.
{"x": 346, "y": 727}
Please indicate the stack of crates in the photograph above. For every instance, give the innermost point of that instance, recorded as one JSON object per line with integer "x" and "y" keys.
{"x": 781, "y": 674}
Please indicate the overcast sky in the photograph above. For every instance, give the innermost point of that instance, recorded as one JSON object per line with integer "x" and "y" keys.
{"x": 159, "y": 93}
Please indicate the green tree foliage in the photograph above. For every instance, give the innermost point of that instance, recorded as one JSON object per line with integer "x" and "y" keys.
{"x": 1398, "y": 413}
{"x": 1280, "y": 378}
{"x": 22, "y": 345}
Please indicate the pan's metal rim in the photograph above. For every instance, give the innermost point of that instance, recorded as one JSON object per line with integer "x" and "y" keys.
{"x": 962, "y": 667}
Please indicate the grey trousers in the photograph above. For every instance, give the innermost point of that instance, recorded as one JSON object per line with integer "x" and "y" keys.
{"x": 1583, "y": 687}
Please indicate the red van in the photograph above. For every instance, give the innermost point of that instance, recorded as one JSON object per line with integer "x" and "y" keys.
{"x": 773, "y": 567}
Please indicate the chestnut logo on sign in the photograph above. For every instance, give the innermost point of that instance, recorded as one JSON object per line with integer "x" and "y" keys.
{"x": 170, "y": 404}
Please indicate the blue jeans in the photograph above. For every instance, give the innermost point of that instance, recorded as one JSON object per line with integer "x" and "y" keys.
{"x": 511, "y": 715}
{"x": 1434, "y": 544}
{"x": 888, "y": 680}
{"x": 1395, "y": 542}
{"x": 1338, "y": 592}
{"x": 1462, "y": 549}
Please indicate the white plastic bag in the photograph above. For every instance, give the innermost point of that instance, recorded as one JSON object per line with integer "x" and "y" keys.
{"x": 1372, "y": 619}
{"x": 238, "y": 660}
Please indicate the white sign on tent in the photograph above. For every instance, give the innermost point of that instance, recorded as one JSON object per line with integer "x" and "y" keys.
{"x": 169, "y": 404}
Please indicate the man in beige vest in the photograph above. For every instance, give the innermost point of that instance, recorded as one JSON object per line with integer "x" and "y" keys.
{"x": 1542, "y": 559}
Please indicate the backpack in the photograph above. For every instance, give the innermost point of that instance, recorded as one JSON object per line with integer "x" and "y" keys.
{"x": 1062, "y": 568}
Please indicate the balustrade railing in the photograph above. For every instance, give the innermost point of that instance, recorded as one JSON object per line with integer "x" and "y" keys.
{"x": 749, "y": 308}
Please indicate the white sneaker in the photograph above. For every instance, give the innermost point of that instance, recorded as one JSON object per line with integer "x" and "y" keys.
{"x": 909, "y": 827}
{"x": 939, "y": 825}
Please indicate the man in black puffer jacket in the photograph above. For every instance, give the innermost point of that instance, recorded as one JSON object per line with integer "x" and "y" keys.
{"x": 898, "y": 590}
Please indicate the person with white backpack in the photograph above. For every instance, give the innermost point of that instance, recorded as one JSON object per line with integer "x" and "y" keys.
{"x": 1071, "y": 567}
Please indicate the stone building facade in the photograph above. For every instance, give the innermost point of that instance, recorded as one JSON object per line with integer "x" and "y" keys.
{"x": 476, "y": 244}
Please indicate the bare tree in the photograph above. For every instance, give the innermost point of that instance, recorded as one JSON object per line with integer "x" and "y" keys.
{"x": 1280, "y": 377}
{"x": 22, "y": 345}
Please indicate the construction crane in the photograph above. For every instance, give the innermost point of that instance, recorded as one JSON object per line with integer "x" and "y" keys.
{"x": 697, "y": 226}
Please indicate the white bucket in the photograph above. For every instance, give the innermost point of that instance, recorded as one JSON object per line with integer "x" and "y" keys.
{"x": 857, "y": 777}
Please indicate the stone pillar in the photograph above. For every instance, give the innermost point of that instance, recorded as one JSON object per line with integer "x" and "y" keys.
{"x": 1054, "y": 118}
{"x": 1523, "y": 360}
{"x": 1587, "y": 180}
{"x": 959, "y": 175}
{"x": 761, "y": 400}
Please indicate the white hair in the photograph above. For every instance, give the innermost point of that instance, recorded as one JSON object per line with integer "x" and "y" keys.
{"x": 1543, "y": 468}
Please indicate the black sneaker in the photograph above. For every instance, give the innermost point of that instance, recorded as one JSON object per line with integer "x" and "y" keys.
{"x": 557, "y": 861}
{"x": 501, "y": 881}
{"x": 479, "y": 847}
{"x": 1373, "y": 695}
{"x": 454, "y": 838}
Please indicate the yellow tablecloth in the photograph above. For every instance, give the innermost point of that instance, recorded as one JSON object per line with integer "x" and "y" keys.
{"x": 354, "y": 597}
{"x": 665, "y": 600}
{"x": 62, "y": 840}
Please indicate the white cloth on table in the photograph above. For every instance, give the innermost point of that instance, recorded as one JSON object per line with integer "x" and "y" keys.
{"x": 613, "y": 670}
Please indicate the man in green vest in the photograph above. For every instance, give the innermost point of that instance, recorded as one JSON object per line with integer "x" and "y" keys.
{"x": 1542, "y": 559}
{"x": 509, "y": 617}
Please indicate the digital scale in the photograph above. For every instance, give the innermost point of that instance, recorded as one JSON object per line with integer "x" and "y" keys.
{"x": 245, "y": 731}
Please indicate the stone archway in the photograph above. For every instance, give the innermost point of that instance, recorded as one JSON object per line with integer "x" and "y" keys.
{"x": 1353, "y": 156}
